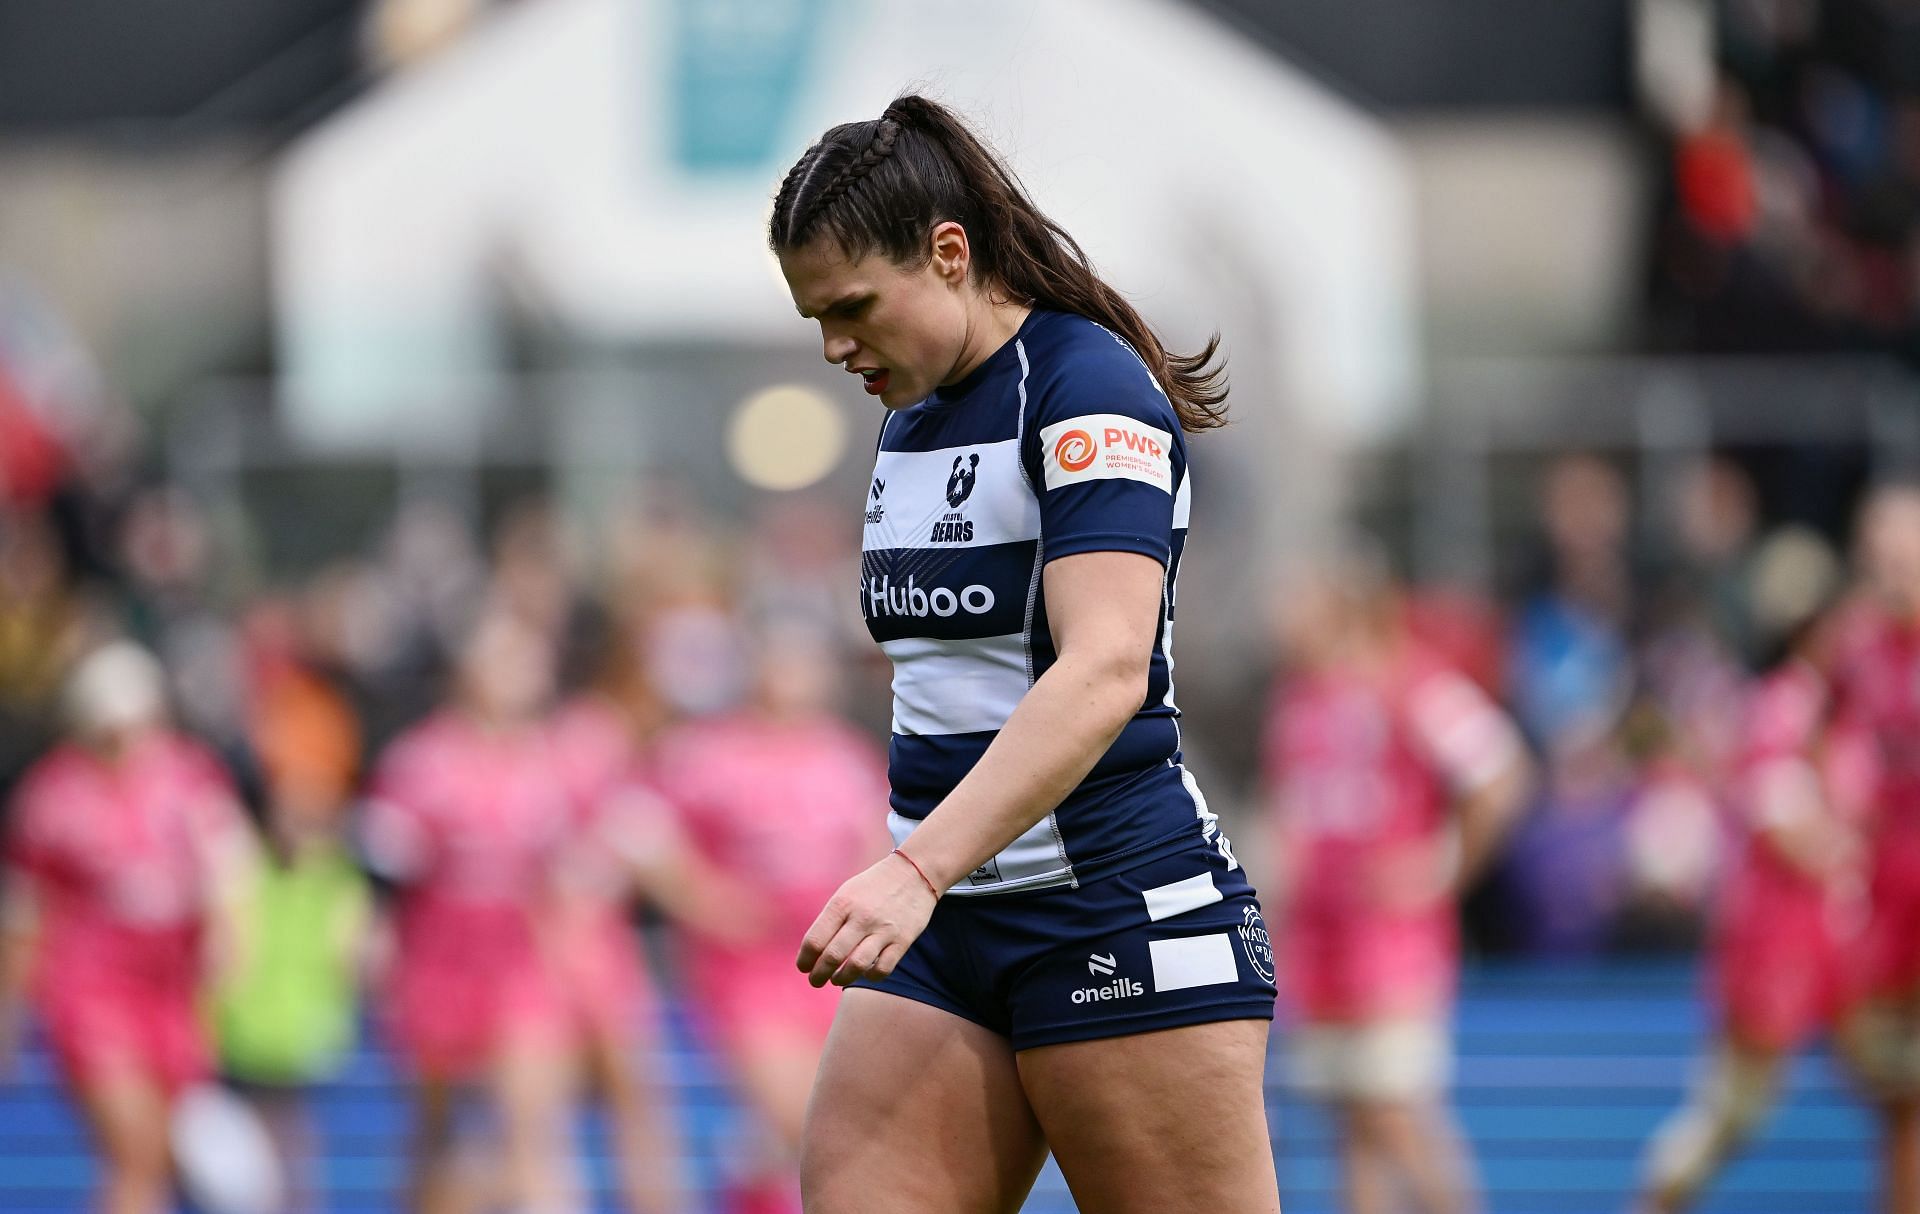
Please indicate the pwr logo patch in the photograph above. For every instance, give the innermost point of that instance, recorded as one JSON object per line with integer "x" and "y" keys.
{"x": 1075, "y": 451}
{"x": 1106, "y": 446}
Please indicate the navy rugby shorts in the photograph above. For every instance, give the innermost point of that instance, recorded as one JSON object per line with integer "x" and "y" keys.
{"x": 1173, "y": 941}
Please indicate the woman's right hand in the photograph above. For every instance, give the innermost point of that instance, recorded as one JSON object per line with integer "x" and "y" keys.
{"x": 868, "y": 924}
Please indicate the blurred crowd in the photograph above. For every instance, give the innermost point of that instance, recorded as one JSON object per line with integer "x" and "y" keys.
{"x": 1625, "y": 662}
{"x": 1791, "y": 214}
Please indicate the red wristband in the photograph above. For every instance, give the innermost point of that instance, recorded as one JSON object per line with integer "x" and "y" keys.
{"x": 918, "y": 869}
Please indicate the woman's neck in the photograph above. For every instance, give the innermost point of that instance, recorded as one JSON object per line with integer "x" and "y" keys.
{"x": 990, "y": 326}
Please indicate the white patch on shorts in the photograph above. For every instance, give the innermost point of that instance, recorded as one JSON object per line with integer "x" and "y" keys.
{"x": 1193, "y": 961}
{"x": 1166, "y": 901}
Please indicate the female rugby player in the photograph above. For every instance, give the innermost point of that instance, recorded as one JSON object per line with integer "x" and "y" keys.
{"x": 128, "y": 857}
{"x": 1062, "y": 952}
{"x": 468, "y": 819}
{"x": 1788, "y": 926}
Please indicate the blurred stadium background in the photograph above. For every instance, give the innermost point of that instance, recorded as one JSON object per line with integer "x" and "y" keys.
{"x": 318, "y": 318}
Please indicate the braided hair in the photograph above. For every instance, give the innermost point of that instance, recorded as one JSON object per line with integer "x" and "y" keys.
{"x": 883, "y": 185}
{"x": 799, "y": 206}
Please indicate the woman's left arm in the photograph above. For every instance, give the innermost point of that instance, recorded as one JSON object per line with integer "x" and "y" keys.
{"x": 1104, "y": 610}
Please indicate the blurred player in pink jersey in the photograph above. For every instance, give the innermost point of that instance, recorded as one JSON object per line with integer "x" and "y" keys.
{"x": 1791, "y": 906}
{"x": 1393, "y": 778}
{"x": 623, "y": 842}
{"x": 783, "y": 798}
{"x": 468, "y": 817}
{"x": 125, "y": 855}
{"x": 1878, "y": 692}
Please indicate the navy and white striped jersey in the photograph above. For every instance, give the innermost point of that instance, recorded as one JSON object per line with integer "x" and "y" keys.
{"x": 1061, "y": 442}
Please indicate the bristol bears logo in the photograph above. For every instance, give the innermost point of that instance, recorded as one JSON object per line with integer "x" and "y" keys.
{"x": 960, "y": 484}
{"x": 1255, "y": 943}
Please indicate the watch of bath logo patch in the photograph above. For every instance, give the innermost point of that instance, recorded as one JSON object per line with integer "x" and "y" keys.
{"x": 1255, "y": 942}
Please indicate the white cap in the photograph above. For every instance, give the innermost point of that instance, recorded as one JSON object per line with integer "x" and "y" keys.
{"x": 117, "y": 686}
{"x": 1795, "y": 573}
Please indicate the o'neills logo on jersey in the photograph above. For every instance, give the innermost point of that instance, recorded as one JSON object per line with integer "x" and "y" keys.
{"x": 1106, "y": 446}
{"x": 882, "y": 596}
{"x": 1120, "y": 988}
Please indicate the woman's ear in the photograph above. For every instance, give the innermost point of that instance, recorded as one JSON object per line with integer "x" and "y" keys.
{"x": 952, "y": 257}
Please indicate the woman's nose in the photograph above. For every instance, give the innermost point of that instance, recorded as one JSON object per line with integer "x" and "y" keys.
{"x": 838, "y": 349}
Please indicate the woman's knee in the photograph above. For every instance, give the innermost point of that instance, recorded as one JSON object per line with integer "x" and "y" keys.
{"x": 533, "y": 1080}
{"x": 140, "y": 1157}
{"x": 1370, "y": 1122}
{"x": 130, "y": 1130}
{"x": 128, "y": 1115}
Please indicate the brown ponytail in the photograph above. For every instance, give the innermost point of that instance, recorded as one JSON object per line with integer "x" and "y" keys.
{"x": 883, "y": 185}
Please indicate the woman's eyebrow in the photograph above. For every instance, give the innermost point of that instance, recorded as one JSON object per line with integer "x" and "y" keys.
{"x": 838, "y": 304}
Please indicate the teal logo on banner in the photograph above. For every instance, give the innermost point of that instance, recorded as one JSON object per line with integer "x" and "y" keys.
{"x": 738, "y": 70}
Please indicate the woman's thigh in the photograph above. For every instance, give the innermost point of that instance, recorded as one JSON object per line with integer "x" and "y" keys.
{"x": 1159, "y": 1123}
{"x": 916, "y": 1111}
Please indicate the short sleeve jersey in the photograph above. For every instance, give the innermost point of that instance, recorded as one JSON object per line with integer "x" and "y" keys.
{"x": 469, "y": 815}
{"x": 130, "y": 845}
{"x": 1362, "y": 767}
{"x": 1060, "y": 442}
{"x": 1877, "y": 689}
{"x": 786, "y": 807}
